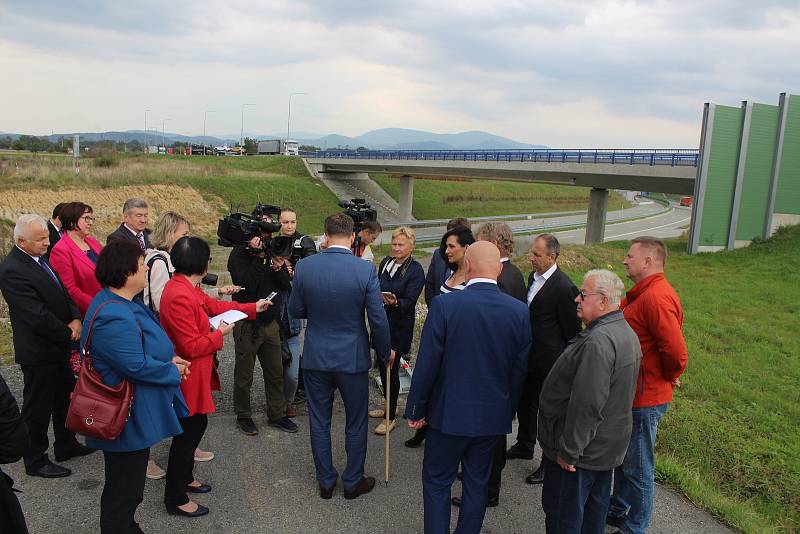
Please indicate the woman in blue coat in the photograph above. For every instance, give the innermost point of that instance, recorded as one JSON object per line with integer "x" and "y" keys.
{"x": 129, "y": 343}
{"x": 402, "y": 279}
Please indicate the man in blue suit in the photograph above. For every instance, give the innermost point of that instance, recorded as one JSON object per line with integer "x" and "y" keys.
{"x": 333, "y": 290}
{"x": 468, "y": 377}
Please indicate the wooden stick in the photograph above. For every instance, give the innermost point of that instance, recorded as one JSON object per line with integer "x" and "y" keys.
{"x": 386, "y": 451}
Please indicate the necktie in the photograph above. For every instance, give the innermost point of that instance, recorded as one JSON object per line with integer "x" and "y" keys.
{"x": 140, "y": 237}
{"x": 43, "y": 264}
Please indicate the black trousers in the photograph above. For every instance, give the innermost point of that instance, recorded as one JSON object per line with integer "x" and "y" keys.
{"x": 395, "y": 389}
{"x": 123, "y": 491}
{"x": 181, "y": 459}
{"x": 528, "y": 409}
{"x": 45, "y": 395}
{"x": 498, "y": 463}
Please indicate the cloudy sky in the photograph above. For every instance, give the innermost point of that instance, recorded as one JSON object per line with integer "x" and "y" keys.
{"x": 565, "y": 74}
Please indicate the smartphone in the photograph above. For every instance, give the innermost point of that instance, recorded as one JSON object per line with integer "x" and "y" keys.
{"x": 271, "y": 296}
{"x": 386, "y": 293}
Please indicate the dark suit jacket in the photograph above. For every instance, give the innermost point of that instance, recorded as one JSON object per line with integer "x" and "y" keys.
{"x": 435, "y": 277}
{"x": 406, "y": 287}
{"x": 333, "y": 290}
{"x": 554, "y": 320}
{"x": 40, "y": 310}
{"x": 55, "y": 235}
{"x": 472, "y": 362}
{"x": 511, "y": 282}
{"x": 123, "y": 233}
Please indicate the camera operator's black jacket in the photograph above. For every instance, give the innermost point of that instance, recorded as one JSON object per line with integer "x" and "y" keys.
{"x": 259, "y": 280}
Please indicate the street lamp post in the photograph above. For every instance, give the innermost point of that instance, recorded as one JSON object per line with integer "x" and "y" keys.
{"x": 241, "y": 134}
{"x": 289, "y": 115}
{"x": 205, "y": 117}
{"x": 146, "y": 140}
{"x": 163, "y": 133}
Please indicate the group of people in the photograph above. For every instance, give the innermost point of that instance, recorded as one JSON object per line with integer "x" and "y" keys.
{"x": 587, "y": 371}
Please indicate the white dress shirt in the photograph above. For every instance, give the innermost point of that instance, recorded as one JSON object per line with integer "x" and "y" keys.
{"x": 538, "y": 282}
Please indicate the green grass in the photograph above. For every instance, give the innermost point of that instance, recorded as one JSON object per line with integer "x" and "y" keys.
{"x": 239, "y": 181}
{"x": 443, "y": 199}
{"x": 731, "y": 439}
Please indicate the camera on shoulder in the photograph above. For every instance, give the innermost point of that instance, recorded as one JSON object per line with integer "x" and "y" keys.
{"x": 238, "y": 229}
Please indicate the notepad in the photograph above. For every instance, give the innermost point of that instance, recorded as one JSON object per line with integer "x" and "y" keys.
{"x": 230, "y": 317}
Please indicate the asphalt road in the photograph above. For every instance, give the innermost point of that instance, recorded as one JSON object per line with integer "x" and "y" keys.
{"x": 266, "y": 484}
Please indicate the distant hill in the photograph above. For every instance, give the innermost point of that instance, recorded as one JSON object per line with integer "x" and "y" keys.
{"x": 381, "y": 139}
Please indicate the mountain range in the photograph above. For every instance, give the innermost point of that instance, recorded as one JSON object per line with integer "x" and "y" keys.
{"x": 381, "y": 139}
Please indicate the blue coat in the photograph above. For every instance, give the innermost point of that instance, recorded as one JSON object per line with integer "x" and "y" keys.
{"x": 333, "y": 290}
{"x": 472, "y": 362}
{"x": 128, "y": 342}
{"x": 406, "y": 286}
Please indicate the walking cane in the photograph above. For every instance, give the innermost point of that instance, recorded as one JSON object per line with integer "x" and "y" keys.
{"x": 386, "y": 451}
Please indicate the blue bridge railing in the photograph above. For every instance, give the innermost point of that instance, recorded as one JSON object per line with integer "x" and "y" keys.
{"x": 671, "y": 157}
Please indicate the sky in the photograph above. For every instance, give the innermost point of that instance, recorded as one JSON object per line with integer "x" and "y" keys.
{"x": 565, "y": 74}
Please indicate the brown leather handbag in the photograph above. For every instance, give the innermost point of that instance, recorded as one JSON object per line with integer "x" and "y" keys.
{"x": 97, "y": 410}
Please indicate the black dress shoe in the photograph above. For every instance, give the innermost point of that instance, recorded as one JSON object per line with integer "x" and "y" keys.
{"x": 201, "y": 510}
{"x": 518, "y": 450}
{"x": 491, "y": 502}
{"x": 285, "y": 424}
{"x": 49, "y": 470}
{"x": 326, "y": 493}
{"x": 202, "y": 488}
{"x": 415, "y": 441}
{"x": 537, "y": 477}
{"x": 247, "y": 426}
{"x": 364, "y": 486}
{"x": 74, "y": 452}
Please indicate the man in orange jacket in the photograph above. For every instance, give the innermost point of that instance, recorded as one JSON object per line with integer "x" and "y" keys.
{"x": 654, "y": 311}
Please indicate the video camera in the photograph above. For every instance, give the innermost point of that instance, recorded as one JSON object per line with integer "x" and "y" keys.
{"x": 358, "y": 210}
{"x": 238, "y": 229}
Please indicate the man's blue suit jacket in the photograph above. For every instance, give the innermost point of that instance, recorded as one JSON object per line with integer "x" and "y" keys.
{"x": 472, "y": 362}
{"x": 333, "y": 290}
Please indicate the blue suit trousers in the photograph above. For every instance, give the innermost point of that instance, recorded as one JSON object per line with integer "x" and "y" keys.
{"x": 354, "y": 389}
{"x": 443, "y": 453}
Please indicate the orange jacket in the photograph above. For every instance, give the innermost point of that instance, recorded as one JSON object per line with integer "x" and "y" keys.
{"x": 654, "y": 311}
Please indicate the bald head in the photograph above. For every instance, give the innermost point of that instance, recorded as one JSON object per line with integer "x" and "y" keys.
{"x": 483, "y": 260}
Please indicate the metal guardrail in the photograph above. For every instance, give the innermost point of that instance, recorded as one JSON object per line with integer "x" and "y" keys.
{"x": 670, "y": 157}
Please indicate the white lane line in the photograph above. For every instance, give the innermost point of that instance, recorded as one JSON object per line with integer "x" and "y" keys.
{"x": 648, "y": 229}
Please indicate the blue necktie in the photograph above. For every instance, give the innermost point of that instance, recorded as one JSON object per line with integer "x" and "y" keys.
{"x": 43, "y": 264}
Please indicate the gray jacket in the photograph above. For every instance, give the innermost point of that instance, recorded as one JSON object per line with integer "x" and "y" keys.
{"x": 585, "y": 404}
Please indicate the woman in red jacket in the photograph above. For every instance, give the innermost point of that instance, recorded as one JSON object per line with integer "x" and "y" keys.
{"x": 185, "y": 311}
{"x": 75, "y": 256}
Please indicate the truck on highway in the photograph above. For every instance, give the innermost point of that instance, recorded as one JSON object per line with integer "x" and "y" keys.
{"x": 278, "y": 146}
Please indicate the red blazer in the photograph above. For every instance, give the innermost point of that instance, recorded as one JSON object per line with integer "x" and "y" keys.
{"x": 76, "y": 270}
{"x": 185, "y": 310}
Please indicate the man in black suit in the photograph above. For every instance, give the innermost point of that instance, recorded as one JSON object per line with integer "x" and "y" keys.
{"x": 13, "y": 444}
{"x": 554, "y": 321}
{"x": 54, "y": 228}
{"x": 43, "y": 321}
{"x": 134, "y": 224}
{"x": 437, "y": 270}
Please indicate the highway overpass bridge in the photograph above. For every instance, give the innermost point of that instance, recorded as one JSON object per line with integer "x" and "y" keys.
{"x": 662, "y": 171}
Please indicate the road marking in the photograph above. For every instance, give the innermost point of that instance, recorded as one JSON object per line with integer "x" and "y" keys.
{"x": 648, "y": 229}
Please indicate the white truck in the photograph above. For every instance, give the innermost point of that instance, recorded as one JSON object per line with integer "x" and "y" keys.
{"x": 278, "y": 146}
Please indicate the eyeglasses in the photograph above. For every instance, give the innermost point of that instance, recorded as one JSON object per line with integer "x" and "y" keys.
{"x": 584, "y": 294}
{"x": 88, "y": 218}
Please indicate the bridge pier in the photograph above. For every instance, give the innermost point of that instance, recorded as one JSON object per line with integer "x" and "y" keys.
{"x": 596, "y": 218}
{"x": 406, "y": 199}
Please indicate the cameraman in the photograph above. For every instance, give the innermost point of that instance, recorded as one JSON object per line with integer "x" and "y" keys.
{"x": 370, "y": 230}
{"x": 252, "y": 269}
{"x": 292, "y": 329}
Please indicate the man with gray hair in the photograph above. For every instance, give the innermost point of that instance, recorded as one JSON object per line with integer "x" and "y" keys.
{"x": 43, "y": 321}
{"x": 134, "y": 224}
{"x": 584, "y": 410}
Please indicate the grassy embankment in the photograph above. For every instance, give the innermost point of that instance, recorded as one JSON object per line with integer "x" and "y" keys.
{"x": 442, "y": 199}
{"x": 731, "y": 439}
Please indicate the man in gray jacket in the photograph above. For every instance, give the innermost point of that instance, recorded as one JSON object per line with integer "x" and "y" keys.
{"x": 585, "y": 410}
